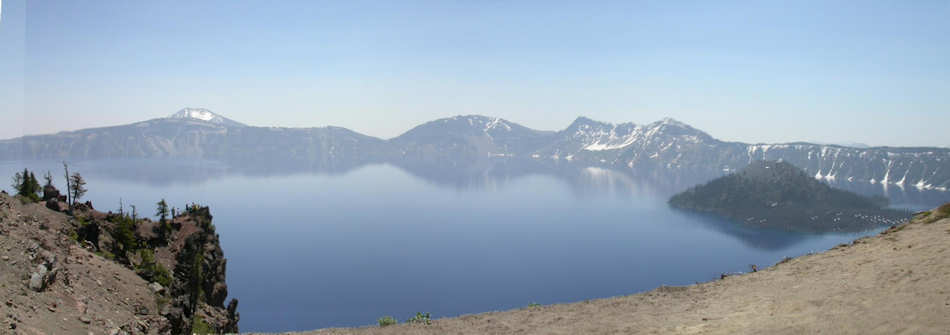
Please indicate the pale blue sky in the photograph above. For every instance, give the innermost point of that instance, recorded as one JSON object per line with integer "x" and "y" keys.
{"x": 876, "y": 72}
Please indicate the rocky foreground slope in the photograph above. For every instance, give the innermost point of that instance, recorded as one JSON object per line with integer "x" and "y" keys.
{"x": 893, "y": 283}
{"x": 88, "y": 272}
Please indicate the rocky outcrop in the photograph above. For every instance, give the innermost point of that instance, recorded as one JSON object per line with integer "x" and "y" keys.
{"x": 50, "y": 192}
{"x": 46, "y": 268}
{"x": 56, "y": 205}
{"x": 199, "y": 288}
{"x": 94, "y": 272}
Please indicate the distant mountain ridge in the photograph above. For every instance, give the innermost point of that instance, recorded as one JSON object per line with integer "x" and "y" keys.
{"x": 662, "y": 149}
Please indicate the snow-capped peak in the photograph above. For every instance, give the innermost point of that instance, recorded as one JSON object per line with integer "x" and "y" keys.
{"x": 484, "y": 122}
{"x": 202, "y": 115}
{"x": 600, "y": 136}
{"x": 196, "y": 113}
{"x": 668, "y": 121}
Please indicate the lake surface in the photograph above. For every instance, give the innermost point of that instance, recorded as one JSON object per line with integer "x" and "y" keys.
{"x": 309, "y": 250}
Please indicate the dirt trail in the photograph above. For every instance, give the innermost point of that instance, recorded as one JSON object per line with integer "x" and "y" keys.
{"x": 894, "y": 283}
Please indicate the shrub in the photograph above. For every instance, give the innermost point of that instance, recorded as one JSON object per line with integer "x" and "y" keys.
{"x": 26, "y": 186}
{"x": 106, "y": 254}
{"x": 161, "y": 301}
{"x": 123, "y": 235}
{"x": 151, "y": 270}
{"x": 420, "y": 318}
{"x": 940, "y": 213}
{"x": 944, "y": 209}
{"x": 387, "y": 321}
{"x": 199, "y": 326}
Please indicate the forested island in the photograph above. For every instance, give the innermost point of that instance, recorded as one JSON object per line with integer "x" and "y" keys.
{"x": 778, "y": 194}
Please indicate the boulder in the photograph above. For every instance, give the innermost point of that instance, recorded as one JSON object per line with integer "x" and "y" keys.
{"x": 42, "y": 277}
{"x": 156, "y": 288}
{"x": 36, "y": 282}
{"x": 56, "y": 205}
{"x": 81, "y": 207}
{"x": 38, "y": 278}
{"x": 50, "y": 193}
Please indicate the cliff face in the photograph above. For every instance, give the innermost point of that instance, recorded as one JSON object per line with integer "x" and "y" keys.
{"x": 81, "y": 271}
{"x": 200, "y": 289}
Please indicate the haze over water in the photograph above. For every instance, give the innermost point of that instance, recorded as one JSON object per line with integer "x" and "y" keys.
{"x": 313, "y": 250}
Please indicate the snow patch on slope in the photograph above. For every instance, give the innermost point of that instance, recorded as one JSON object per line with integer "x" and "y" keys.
{"x": 195, "y": 113}
{"x": 202, "y": 114}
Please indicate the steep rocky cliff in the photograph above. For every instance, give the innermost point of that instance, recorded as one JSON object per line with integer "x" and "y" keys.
{"x": 78, "y": 271}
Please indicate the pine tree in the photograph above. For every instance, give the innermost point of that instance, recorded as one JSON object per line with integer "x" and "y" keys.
{"x": 162, "y": 213}
{"x": 69, "y": 187}
{"x": 18, "y": 182}
{"x": 34, "y": 187}
{"x": 78, "y": 187}
{"x": 25, "y": 185}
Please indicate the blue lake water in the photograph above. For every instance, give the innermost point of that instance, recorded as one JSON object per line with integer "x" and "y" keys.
{"x": 312, "y": 250}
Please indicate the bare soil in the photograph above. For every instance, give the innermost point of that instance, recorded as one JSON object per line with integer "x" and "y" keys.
{"x": 89, "y": 295}
{"x": 895, "y": 283}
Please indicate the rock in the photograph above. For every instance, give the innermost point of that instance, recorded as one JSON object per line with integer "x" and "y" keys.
{"x": 36, "y": 282}
{"x": 49, "y": 259}
{"x": 50, "y": 193}
{"x": 83, "y": 207}
{"x": 56, "y": 205}
{"x": 5, "y": 258}
{"x": 219, "y": 293}
{"x": 85, "y": 319}
{"x": 141, "y": 326}
{"x": 233, "y": 316}
{"x": 40, "y": 279}
{"x": 156, "y": 288}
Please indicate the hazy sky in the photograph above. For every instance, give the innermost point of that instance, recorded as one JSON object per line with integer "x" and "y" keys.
{"x": 754, "y": 71}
